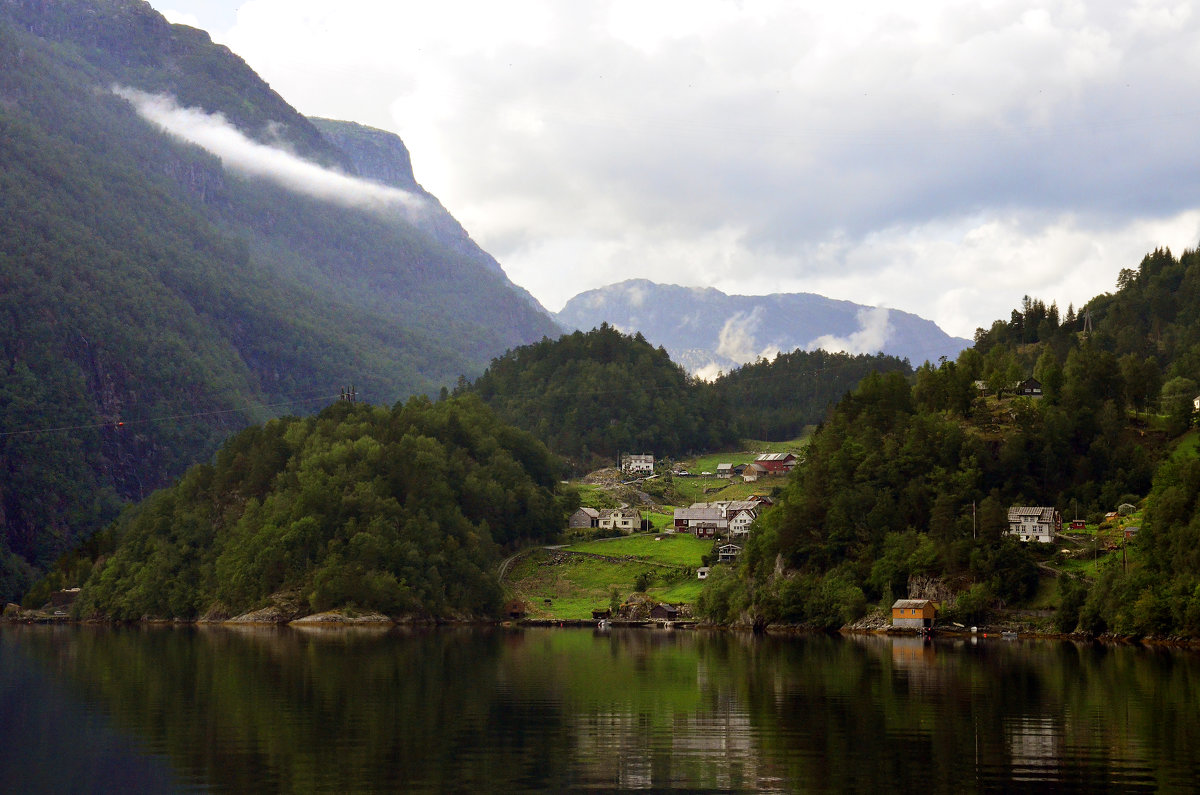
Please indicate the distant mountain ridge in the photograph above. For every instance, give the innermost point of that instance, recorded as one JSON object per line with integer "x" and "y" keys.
{"x": 707, "y": 331}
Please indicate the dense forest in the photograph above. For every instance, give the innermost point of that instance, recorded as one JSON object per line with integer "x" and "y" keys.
{"x": 591, "y": 396}
{"x": 912, "y": 478}
{"x": 404, "y": 511}
{"x": 153, "y": 301}
{"x": 778, "y": 398}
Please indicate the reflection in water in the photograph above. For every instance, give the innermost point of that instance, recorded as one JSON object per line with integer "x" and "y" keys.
{"x": 262, "y": 709}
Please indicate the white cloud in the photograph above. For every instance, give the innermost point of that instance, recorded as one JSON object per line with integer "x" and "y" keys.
{"x": 215, "y": 134}
{"x": 871, "y": 337}
{"x": 737, "y": 339}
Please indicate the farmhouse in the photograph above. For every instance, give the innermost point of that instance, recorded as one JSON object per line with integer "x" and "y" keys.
{"x": 725, "y": 470}
{"x": 913, "y": 613}
{"x": 739, "y": 523}
{"x": 638, "y": 464}
{"x": 706, "y": 521}
{"x": 727, "y": 553}
{"x": 626, "y": 520}
{"x": 1034, "y": 523}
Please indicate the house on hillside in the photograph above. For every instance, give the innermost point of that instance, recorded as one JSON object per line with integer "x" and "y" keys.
{"x": 1131, "y": 531}
{"x": 727, "y": 553}
{"x": 1030, "y": 387}
{"x": 702, "y": 573}
{"x": 1034, "y": 523}
{"x": 914, "y": 613}
{"x": 625, "y": 520}
{"x": 636, "y": 464}
{"x": 777, "y": 463}
{"x": 753, "y": 472}
{"x": 725, "y": 471}
{"x": 739, "y": 523}
{"x": 583, "y": 519}
{"x": 702, "y": 519}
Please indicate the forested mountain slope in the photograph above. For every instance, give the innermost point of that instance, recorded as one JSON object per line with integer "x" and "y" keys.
{"x": 154, "y": 297}
{"x": 592, "y": 396}
{"x": 778, "y": 399}
{"x": 404, "y": 511}
{"x": 914, "y": 478}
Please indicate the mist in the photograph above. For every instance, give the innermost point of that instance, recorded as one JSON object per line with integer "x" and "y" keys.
{"x": 216, "y": 135}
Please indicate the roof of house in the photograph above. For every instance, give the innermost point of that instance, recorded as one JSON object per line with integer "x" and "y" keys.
{"x": 703, "y": 513}
{"x": 592, "y": 512}
{"x": 729, "y": 548}
{"x": 722, "y": 467}
{"x": 619, "y": 512}
{"x": 905, "y": 604}
{"x": 1039, "y": 512}
{"x": 775, "y": 456}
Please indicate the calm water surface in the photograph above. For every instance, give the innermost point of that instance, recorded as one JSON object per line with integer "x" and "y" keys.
{"x": 260, "y": 710}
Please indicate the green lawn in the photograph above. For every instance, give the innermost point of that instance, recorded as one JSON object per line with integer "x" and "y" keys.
{"x": 679, "y": 549}
{"x": 1188, "y": 446}
{"x": 580, "y": 584}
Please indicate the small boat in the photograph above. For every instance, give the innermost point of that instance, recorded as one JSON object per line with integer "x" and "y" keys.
{"x": 603, "y": 624}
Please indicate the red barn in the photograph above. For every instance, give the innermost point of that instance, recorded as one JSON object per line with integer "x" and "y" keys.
{"x": 776, "y": 463}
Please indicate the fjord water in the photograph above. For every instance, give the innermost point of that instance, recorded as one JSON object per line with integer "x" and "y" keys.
{"x": 497, "y": 710}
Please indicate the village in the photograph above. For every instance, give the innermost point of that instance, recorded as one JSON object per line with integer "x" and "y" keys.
{"x": 666, "y": 552}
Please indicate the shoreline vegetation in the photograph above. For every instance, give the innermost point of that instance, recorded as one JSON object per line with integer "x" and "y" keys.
{"x": 340, "y": 620}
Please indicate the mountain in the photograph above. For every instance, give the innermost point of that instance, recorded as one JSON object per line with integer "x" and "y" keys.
{"x": 590, "y": 396}
{"x": 182, "y": 253}
{"x": 403, "y": 510}
{"x": 708, "y": 331}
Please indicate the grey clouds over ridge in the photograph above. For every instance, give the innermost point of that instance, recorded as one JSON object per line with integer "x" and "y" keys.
{"x": 944, "y": 159}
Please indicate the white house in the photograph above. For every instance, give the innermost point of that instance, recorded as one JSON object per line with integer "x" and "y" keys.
{"x": 1034, "y": 523}
{"x": 638, "y": 464}
{"x": 626, "y": 520}
{"x": 739, "y": 523}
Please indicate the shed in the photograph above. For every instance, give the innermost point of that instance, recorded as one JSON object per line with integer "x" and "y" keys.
{"x": 664, "y": 612}
{"x": 599, "y": 614}
{"x": 584, "y": 517}
{"x": 702, "y": 573}
{"x": 1132, "y": 530}
{"x": 914, "y": 613}
{"x": 516, "y": 609}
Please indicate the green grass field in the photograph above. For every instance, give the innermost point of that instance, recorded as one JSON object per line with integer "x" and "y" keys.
{"x": 677, "y": 549}
{"x": 578, "y": 585}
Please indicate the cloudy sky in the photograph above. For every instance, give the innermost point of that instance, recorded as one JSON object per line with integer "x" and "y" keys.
{"x": 944, "y": 158}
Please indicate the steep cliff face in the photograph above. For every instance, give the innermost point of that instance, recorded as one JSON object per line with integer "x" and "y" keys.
{"x": 381, "y": 156}
{"x": 705, "y": 330}
{"x": 154, "y": 297}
